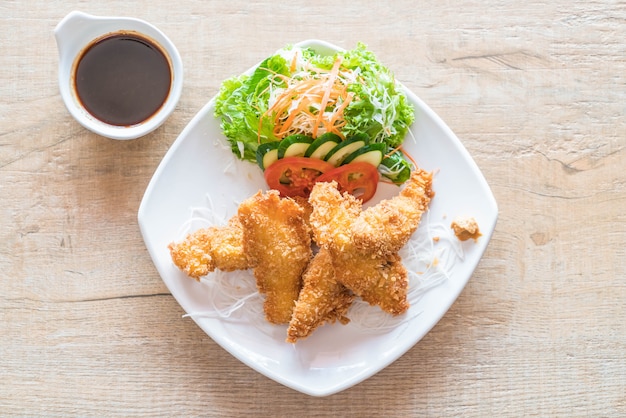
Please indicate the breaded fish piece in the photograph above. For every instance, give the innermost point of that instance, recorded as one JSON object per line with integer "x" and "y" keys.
{"x": 277, "y": 242}
{"x": 332, "y": 216}
{"x": 322, "y": 299}
{"x": 388, "y": 226}
{"x": 379, "y": 280}
{"x": 207, "y": 249}
{"x": 306, "y": 207}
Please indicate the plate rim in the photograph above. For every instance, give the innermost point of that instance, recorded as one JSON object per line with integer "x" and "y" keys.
{"x": 405, "y": 344}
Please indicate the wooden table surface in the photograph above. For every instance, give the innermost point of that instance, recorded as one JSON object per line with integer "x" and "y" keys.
{"x": 535, "y": 91}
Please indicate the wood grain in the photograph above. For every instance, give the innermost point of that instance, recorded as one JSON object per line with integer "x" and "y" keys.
{"x": 535, "y": 91}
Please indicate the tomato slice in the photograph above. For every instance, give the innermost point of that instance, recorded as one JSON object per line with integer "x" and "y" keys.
{"x": 359, "y": 179}
{"x": 295, "y": 176}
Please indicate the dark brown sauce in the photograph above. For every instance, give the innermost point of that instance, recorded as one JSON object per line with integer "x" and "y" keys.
{"x": 123, "y": 79}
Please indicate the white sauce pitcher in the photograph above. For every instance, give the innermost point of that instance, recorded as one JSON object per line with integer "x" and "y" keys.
{"x": 76, "y": 32}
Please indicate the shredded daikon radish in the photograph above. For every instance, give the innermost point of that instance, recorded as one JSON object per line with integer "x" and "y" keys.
{"x": 429, "y": 257}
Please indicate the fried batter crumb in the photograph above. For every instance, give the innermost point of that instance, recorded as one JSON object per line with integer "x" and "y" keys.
{"x": 465, "y": 228}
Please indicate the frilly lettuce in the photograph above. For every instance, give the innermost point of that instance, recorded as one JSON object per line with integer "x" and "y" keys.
{"x": 379, "y": 107}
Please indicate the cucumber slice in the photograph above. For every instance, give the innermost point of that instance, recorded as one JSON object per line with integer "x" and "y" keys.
{"x": 267, "y": 154}
{"x": 322, "y": 145}
{"x": 345, "y": 148}
{"x": 396, "y": 168}
{"x": 370, "y": 153}
{"x": 294, "y": 146}
{"x": 362, "y": 136}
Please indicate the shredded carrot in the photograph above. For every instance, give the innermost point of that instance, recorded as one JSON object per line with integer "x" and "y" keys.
{"x": 393, "y": 151}
{"x": 406, "y": 154}
{"x": 294, "y": 61}
{"x": 301, "y": 106}
{"x": 335, "y": 122}
{"x": 329, "y": 84}
{"x": 283, "y": 78}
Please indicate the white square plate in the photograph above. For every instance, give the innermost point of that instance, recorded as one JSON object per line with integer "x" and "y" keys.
{"x": 200, "y": 180}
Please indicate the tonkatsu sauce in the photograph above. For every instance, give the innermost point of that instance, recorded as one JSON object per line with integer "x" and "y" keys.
{"x": 123, "y": 79}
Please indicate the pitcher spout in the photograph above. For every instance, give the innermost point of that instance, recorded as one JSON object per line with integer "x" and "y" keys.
{"x": 68, "y": 29}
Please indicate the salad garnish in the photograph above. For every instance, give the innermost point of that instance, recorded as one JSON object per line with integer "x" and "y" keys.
{"x": 297, "y": 96}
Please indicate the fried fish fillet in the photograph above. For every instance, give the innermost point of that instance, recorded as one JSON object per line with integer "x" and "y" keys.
{"x": 277, "y": 242}
{"x": 332, "y": 217}
{"x": 381, "y": 281}
{"x": 378, "y": 279}
{"x": 388, "y": 226}
{"x": 207, "y": 249}
{"x": 357, "y": 256}
{"x": 306, "y": 207}
{"x": 322, "y": 299}
{"x": 364, "y": 244}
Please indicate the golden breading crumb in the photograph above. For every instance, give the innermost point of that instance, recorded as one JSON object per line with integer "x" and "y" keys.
{"x": 465, "y": 228}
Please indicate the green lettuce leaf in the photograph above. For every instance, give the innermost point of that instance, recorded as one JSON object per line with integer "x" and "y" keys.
{"x": 241, "y": 103}
{"x": 379, "y": 108}
{"x": 382, "y": 110}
